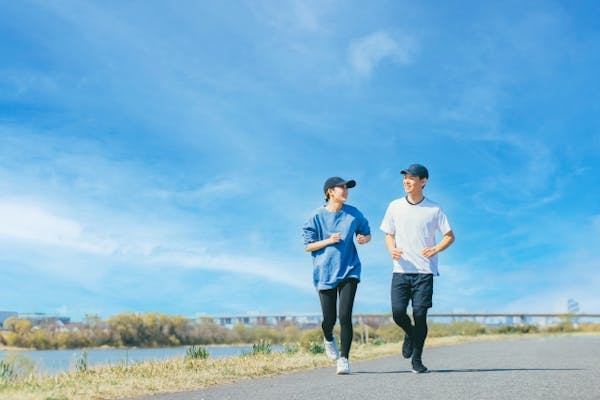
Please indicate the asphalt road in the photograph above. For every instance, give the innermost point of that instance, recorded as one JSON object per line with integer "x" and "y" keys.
{"x": 535, "y": 368}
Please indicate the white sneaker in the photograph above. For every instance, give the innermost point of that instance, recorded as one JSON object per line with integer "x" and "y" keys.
{"x": 331, "y": 349}
{"x": 343, "y": 366}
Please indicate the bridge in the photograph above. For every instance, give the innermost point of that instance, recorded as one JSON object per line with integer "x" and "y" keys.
{"x": 491, "y": 319}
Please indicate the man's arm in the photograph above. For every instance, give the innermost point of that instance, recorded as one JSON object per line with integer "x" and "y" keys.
{"x": 446, "y": 241}
{"x": 390, "y": 243}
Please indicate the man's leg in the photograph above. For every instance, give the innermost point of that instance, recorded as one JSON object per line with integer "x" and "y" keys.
{"x": 401, "y": 293}
{"x": 420, "y": 329}
{"x": 422, "y": 301}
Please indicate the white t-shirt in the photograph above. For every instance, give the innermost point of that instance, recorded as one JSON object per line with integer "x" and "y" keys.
{"x": 414, "y": 227}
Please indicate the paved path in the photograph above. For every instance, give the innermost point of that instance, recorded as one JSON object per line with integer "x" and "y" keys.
{"x": 535, "y": 368}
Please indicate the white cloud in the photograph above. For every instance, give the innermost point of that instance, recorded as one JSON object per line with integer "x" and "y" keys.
{"x": 278, "y": 271}
{"x": 295, "y": 15}
{"x": 37, "y": 228}
{"x": 32, "y": 223}
{"x": 216, "y": 189}
{"x": 369, "y": 51}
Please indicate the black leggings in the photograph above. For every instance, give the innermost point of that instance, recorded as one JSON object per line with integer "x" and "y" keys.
{"x": 346, "y": 291}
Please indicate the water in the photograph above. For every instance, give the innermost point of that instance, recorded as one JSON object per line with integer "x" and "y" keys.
{"x": 56, "y": 361}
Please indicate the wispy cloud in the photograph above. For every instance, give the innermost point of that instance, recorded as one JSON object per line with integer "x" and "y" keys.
{"x": 290, "y": 15}
{"x": 215, "y": 189}
{"x": 32, "y": 223}
{"x": 368, "y": 52}
{"x": 273, "y": 270}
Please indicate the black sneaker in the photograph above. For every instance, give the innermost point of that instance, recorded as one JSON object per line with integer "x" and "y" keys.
{"x": 407, "y": 347}
{"x": 418, "y": 367}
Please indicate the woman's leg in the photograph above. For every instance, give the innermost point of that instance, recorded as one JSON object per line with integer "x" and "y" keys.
{"x": 328, "y": 307}
{"x": 347, "y": 292}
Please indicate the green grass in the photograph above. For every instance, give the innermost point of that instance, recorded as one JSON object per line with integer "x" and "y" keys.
{"x": 196, "y": 353}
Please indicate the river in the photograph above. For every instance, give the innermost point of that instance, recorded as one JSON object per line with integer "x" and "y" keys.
{"x": 52, "y": 362}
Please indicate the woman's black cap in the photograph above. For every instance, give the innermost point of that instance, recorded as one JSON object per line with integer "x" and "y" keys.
{"x": 337, "y": 181}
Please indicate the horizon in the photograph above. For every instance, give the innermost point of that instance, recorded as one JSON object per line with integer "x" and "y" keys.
{"x": 161, "y": 158}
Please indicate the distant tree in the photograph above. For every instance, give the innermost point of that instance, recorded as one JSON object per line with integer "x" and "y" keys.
{"x": 126, "y": 329}
{"x": 291, "y": 334}
{"x": 18, "y": 325}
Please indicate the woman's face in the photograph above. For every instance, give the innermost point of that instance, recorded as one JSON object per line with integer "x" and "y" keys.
{"x": 339, "y": 193}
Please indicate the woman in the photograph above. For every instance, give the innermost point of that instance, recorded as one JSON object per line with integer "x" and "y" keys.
{"x": 329, "y": 236}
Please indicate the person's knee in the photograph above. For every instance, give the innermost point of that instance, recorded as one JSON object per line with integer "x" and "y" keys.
{"x": 328, "y": 324}
{"x": 399, "y": 309}
{"x": 400, "y": 317}
{"x": 420, "y": 314}
{"x": 346, "y": 320}
{"x": 420, "y": 311}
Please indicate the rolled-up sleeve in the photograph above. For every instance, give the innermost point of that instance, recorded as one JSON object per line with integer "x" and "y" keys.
{"x": 309, "y": 233}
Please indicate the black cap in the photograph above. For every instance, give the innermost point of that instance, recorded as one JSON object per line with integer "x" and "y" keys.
{"x": 337, "y": 181}
{"x": 416, "y": 170}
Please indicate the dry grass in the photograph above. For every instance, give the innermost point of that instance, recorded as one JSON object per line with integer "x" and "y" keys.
{"x": 178, "y": 375}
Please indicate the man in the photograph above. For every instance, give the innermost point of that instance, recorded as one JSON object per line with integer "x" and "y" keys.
{"x": 410, "y": 224}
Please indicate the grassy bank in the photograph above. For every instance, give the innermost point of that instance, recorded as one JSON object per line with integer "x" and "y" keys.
{"x": 186, "y": 374}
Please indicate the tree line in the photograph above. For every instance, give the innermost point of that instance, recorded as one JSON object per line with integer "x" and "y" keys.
{"x": 160, "y": 330}
{"x": 136, "y": 330}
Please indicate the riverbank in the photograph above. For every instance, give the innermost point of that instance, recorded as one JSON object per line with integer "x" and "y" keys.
{"x": 148, "y": 378}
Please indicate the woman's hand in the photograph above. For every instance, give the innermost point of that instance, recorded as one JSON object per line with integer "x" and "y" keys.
{"x": 335, "y": 238}
{"x": 363, "y": 239}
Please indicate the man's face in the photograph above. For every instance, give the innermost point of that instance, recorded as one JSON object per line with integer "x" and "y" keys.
{"x": 413, "y": 184}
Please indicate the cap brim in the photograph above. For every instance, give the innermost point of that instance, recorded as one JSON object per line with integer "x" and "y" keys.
{"x": 351, "y": 183}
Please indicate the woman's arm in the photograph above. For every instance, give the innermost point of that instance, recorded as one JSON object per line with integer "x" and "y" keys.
{"x": 318, "y": 245}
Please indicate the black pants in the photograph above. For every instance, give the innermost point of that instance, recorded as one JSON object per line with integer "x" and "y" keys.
{"x": 346, "y": 291}
{"x": 418, "y": 289}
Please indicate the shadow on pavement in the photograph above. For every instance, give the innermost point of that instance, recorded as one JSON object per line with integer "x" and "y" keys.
{"x": 445, "y": 371}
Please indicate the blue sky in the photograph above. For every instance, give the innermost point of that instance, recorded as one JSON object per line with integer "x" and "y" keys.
{"x": 160, "y": 156}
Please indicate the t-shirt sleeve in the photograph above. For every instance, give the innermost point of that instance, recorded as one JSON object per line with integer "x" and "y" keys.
{"x": 309, "y": 232}
{"x": 387, "y": 224}
{"x": 363, "y": 228}
{"x": 443, "y": 224}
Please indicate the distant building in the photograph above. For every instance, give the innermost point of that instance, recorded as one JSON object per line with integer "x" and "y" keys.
{"x": 4, "y": 315}
{"x": 38, "y": 319}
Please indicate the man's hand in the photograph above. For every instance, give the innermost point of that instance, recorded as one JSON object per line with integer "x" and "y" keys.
{"x": 396, "y": 253}
{"x": 390, "y": 243}
{"x": 430, "y": 251}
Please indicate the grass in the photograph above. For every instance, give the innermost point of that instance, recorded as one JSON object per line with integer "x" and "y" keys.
{"x": 196, "y": 353}
{"x": 188, "y": 373}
